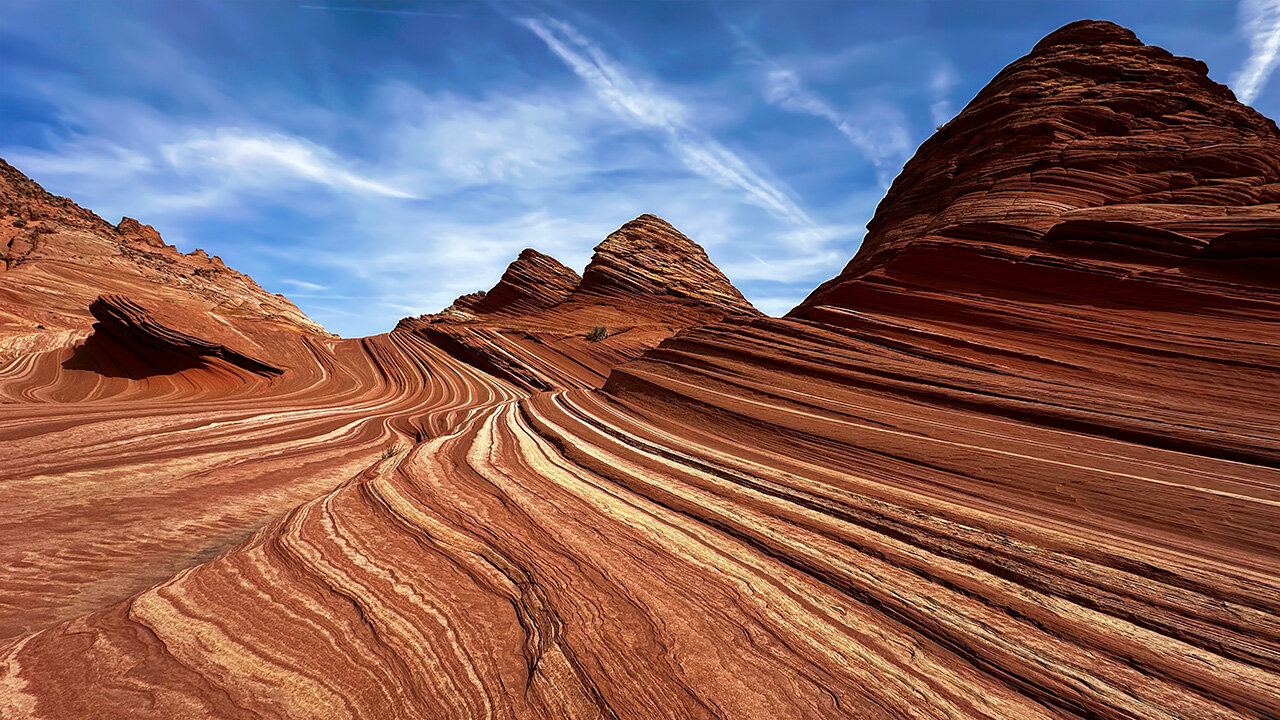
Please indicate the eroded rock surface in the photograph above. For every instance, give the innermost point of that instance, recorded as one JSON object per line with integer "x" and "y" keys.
{"x": 545, "y": 328}
{"x": 533, "y": 281}
{"x": 1019, "y": 460}
{"x": 153, "y": 341}
{"x": 56, "y": 258}
{"x": 649, "y": 258}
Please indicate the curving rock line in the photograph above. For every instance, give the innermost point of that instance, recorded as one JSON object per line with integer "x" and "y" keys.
{"x": 1018, "y": 460}
{"x": 142, "y": 331}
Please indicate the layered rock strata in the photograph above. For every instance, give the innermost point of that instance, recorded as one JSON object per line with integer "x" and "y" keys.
{"x": 535, "y": 328}
{"x": 1018, "y": 460}
{"x": 56, "y": 258}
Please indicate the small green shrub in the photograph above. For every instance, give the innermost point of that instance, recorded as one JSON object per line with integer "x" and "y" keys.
{"x": 598, "y": 333}
{"x": 390, "y": 452}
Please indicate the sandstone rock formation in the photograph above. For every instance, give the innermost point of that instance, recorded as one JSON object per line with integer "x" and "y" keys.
{"x": 155, "y": 344}
{"x": 1018, "y": 460}
{"x": 533, "y": 281}
{"x": 1091, "y": 125}
{"x": 649, "y": 258}
{"x": 229, "y": 421}
{"x": 644, "y": 282}
{"x": 56, "y": 258}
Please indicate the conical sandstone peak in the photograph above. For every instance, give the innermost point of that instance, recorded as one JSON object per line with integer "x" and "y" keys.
{"x": 1090, "y": 125}
{"x": 533, "y": 281}
{"x": 1083, "y": 33}
{"x": 647, "y": 257}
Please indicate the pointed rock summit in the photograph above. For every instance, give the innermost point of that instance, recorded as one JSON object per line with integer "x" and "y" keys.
{"x": 543, "y": 327}
{"x": 533, "y": 281}
{"x": 1083, "y": 33}
{"x": 1090, "y": 125}
{"x": 647, "y": 257}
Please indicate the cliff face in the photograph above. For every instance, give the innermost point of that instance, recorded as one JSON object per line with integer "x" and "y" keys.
{"x": 1019, "y": 460}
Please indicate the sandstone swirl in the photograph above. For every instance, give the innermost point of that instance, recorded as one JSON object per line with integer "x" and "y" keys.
{"x": 1018, "y": 460}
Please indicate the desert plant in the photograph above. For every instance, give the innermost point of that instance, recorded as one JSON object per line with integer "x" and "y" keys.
{"x": 390, "y": 452}
{"x": 598, "y": 333}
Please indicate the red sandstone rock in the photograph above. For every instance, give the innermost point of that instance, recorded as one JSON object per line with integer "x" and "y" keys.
{"x": 463, "y": 304}
{"x": 157, "y": 345}
{"x": 644, "y": 282}
{"x": 58, "y": 258}
{"x": 648, "y": 258}
{"x": 1091, "y": 125}
{"x": 1019, "y": 460}
{"x": 131, "y": 229}
{"x": 531, "y": 282}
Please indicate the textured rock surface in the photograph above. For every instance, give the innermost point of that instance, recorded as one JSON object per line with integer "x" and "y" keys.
{"x": 648, "y": 257}
{"x": 172, "y": 431}
{"x": 644, "y": 282}
{"x": 56, "y": 258}
{"x": 1091, "y": 125}
{"x": 1014, "y": 462}
{"x": 533, "y": 281}
{"x": 159, "y": 345}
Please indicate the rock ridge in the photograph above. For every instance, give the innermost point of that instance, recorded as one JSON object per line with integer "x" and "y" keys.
{"x": 59, "y": 257}
{"x": 532, "y": 281}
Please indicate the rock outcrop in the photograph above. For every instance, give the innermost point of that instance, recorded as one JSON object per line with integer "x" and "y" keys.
{"x": 532, "y": 282}
{"x": 1092, "y": 125}
{"x": 57, "y": 258}
{"x": 151, "y": 342}
{"x": 645, "y": 282}
{"x": 1019, "y": 460}
{"x": 649, "y": 259}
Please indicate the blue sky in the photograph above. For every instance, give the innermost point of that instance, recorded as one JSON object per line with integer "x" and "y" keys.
{"x": 376, "y": 160}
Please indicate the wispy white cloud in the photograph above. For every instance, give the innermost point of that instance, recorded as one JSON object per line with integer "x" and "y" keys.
{"x": 817, "y": 253}
{"x": 1260, "y": 23}
{"x": 880, "y": 131}
{"x": 185, "y": 169}
{"x": 304, "y": 285}
{"x": 501, "y": 139}
{"x": 265, "y": 158}
{"x": 643, "y": 105}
